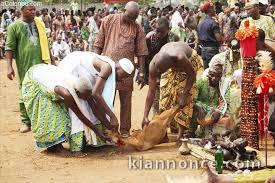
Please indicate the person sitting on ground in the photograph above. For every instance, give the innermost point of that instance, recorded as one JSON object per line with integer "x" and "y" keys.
{"x": 74, "y": 45}
{"x": 83, "y": 45}
{"x": 60, "y": 48}
{"x": 212, "y": 102}
{"x": 177, "y": 64}
{"x": 102, "y": 73}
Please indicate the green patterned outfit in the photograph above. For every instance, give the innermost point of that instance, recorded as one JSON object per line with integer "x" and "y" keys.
{"x": 50, "y": 119}
{"x": 85, "y": 33}
{"x": 208, "y": 98}
{"x": 23, "y": 40}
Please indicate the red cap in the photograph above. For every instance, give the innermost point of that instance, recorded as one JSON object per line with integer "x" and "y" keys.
{"x": 205, "y": 6}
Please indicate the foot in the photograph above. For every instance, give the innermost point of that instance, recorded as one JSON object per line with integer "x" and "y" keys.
{"x": 79, "y": 154}
{"x": 59, "y": 150}
{"x": 25, "y": 128}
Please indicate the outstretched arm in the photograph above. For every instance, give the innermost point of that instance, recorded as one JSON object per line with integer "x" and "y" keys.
{"x": 100, "y": 115}
{"x": 105, "y": 71}
{"x": 150, "y": 94}
{"x": 70, "y": 103}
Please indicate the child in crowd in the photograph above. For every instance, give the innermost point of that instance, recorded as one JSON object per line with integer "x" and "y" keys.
{"x": 2, "y": 45}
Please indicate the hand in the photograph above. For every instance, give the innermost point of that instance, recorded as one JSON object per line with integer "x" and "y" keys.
{"x": 141, "y": 80}
{"x": 10, "y": 73}
{"x": 145, "y": 122}
{"x": 102, "y": 136}
{"x": 184, "y": 99}
{"x": 200, "y": 112}
{"x": 114, "y": 123}
{"x": 216, "y": 116}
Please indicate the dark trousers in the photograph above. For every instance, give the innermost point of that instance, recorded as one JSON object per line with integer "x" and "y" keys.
{"x": 207, "y": 53}
{"x": 125, "y": 98}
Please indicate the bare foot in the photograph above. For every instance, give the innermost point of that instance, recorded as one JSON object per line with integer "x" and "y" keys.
{"x": 24, "y": 128}
{"x": 59, "y": 150}
{"x": 79, "y": 154}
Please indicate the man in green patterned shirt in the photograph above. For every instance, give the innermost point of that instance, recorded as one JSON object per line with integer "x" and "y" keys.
{"x": 212, "y": 100}
{"x": 23, "y": 42}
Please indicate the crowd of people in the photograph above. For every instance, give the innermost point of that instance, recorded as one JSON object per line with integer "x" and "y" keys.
{"x": 188, "y": 57}
{"x": 71, "y": 64}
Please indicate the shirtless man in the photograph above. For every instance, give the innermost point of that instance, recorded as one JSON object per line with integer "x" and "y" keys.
{"x": 183, "y": 62}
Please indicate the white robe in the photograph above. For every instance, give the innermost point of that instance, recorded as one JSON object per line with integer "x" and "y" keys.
{"x": 80, "y": 64}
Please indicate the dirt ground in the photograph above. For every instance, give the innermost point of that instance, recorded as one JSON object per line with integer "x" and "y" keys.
{"x": 21, "y": 161}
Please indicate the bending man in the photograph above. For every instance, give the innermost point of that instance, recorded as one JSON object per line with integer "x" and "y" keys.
{"x": 177, "y": 64}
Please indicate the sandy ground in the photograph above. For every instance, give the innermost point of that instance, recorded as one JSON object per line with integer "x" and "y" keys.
{"x": 21, "y": 161}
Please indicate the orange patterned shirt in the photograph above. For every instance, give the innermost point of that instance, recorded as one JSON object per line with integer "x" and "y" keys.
{"x": 118, "y": 40}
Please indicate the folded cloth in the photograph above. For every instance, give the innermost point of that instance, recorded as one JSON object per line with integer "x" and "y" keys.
{"x": 43, "y": 40}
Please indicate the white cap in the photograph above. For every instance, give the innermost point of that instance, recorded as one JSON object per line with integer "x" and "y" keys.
{"x": 126, "y": 65}
{"x": 250, "y": 3}
{"x": 265, "y": 2}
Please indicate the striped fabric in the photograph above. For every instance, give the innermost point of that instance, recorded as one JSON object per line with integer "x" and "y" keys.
{"x": 50, "y": 120}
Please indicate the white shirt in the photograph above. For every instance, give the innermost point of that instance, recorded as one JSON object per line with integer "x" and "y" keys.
{"x": 57, "y": 48}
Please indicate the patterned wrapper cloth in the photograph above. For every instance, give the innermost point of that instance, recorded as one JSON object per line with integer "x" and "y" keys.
{"x": 249, "y": 107}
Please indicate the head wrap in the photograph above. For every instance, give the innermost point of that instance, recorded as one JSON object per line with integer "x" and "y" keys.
{"x": 206, "y": 5}
{"x": 216, "y": 68}
{"x": 126, "y": 65}
{"x": 82, "y": 84}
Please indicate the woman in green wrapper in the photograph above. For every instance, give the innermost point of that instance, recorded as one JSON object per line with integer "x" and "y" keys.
{"x": 47, "y": 93}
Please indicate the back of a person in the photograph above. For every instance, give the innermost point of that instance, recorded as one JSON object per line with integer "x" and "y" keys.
{"x": 77, "y": 58}
{"x": 206, "y": 33}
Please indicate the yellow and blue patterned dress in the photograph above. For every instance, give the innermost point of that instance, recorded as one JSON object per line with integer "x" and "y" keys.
{"x": 50, "y": 119}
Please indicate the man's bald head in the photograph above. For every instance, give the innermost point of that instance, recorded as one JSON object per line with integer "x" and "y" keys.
{"x": 131, "y": 11}
{"x": 132, "y": 6}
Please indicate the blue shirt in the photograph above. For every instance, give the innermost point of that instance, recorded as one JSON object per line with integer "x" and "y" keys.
{"x": 206, "y": 31}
